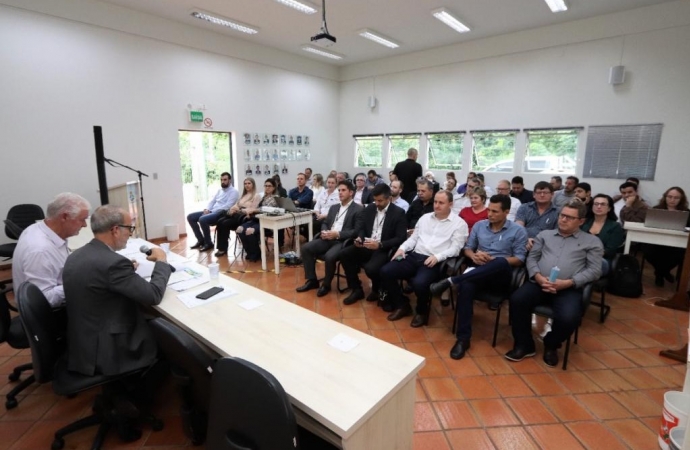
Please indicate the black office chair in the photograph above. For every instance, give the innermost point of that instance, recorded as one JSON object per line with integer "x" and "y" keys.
{"x": 545, "y": 310}
{"x": 19, "y": 217}
{"x": 191, "y": 368}
{"x": 12, "y": 332}
{"x": 50, "y": 364}
{"x": 601, "y": 285}
{"x": 251, "y": 411}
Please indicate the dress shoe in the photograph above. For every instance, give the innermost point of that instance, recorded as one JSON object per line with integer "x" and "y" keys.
{"x": 373, "y": 296}
{"x": 197, "y": 245}
{"x": 518, "y": 354}
{"x": 220, "y": 253}
{"x": 308, "y": 285}
{"x": 206, "y": 248}
{"x": 400, "y": 313}
{"x": 440, "y": 287}
{"x": 356, "y": 295}
{"x": 551, "y": 357}
{"x": 323, "y": 290}
{"x": 459, "y": 349}
{"x": 419, "y": 320}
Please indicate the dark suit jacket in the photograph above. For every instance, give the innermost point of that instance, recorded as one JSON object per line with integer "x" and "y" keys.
{"x": 106, "y": 331}
{"x": 394, "y": 231}
{"x": 367, "y": 197}
{"x": 352, "y": 224}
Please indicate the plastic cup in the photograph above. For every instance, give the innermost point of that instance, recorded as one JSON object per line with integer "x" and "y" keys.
{"x": 214, "y": 270}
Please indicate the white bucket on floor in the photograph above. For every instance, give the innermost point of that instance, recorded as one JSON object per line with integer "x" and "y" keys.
{"x": 172, "y": 232}
{"x": 677, "y": 436}
{"x": 674, "y": 414}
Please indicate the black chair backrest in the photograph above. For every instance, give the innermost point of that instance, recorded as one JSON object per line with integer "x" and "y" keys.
{"x": 249, "y": 409}
{"x": 41, "y": 330}
{"x": 186, "y": 356}
{"x": 21, "y": 216}
{"x": 5, "y": 318}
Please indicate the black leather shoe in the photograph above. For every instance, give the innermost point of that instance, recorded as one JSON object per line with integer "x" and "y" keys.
{"x": 308, "y": 286}
{"x": 459, "y": 349}
{"x": 518, "y": 354}
{"x": 323, "y": 290}
{"x": 400, "y": 313}
{"x": 551, "y": 357}
{"x": 419, "y": 320}
{"x": 356, "y": 295}
{"x": 373, "y": 296}
{"x": 206, "y": 248}
{"x": 197, "y": 245}
{"x": 220, "y": 253}
{"x": 440, "y": 287}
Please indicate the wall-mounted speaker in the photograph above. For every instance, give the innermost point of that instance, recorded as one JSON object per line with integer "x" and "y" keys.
{"x": 617, "y": 75}
{"x": 372, "y": 102}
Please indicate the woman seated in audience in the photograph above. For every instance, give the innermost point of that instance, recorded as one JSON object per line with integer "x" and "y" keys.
{"x": 662, "y": 257}
{"x": 463, "y": 200}
{"x": 604, "y": 225}
{"x": 248, "y": 232}
{"x": 477, "y": 210}
{"x": 236, "y": 215}
{"x": 317, "y": 185}
{"x": 449, "y": 176}
{"x": 280, "y": 190}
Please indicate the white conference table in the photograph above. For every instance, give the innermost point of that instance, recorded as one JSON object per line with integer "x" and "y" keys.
{"x": 637, "y": 232}
{"x": 362, "y": 399}
{"x": 275, "y": 223}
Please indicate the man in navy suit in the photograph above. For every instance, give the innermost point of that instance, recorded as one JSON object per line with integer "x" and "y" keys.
{"x": 342, "y": 222}
{"x": 384, "y": 228}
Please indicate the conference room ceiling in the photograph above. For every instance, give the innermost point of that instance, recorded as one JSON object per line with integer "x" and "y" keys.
{"x": 408, "y": 22}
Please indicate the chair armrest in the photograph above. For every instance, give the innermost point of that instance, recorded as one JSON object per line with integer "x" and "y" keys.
{"x": 518, "y": 277}
{"x": 13, "y": 228}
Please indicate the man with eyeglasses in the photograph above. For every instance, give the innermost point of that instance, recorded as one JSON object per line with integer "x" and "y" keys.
{"x": 106, "y": 331}
{"x": 538, "y": 215}
{"x": 503, "y": 188}
{"x": 578, "y": 257}
{"x": 362, "y": 194}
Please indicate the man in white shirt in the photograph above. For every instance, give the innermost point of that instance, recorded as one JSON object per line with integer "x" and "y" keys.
{"x": 503, "y": 187}
{"x": 307, "y": 174}
{"x": 396, "y": 199}
{"x": 42, "y": 250}
{"x": 437, "y": 236}
{"x": 201, "y": 221}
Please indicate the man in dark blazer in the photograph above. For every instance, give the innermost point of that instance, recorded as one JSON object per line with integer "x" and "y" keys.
{"x": 106, "y": 331}
{"x": 343, "y": 222}
{"x": 384, "y": 229}
{"x": 408, "y": 171}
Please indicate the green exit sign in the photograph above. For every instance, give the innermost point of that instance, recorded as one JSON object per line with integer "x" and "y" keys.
{"x": 196, "y": 116}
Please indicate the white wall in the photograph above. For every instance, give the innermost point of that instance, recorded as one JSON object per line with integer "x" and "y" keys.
{"x": 61, "y": 77}
{"x": 518, "y": 81}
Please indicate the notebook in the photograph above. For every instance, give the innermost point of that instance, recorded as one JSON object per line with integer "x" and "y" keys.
{"x": 668, "y": 220}
{"x": 288, "y": 205}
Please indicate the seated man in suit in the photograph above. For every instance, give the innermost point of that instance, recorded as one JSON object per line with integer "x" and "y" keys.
{"x": 343, "y": 222}
{"x": 384, "y": 228}
{"x": 106, "y": 331}
{"x": 362, "y": 194}
{"x": 495, "y": 246}
{"x": 438, "y": 235}
{"x": 578, "y": 255}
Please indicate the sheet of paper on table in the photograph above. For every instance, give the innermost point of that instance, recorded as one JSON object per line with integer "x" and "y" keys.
{"x": 343, "y": 342}
{"x": 190, "y": 301}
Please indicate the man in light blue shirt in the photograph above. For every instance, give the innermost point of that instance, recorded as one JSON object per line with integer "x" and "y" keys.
{"x": 201, "y": 221}
{"x": 495, "y": 246}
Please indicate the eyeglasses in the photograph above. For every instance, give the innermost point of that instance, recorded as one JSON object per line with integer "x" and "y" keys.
{"x": 130, "y": 227}
{"x": 567, "y": 218}
{"x": 600, "y": 204}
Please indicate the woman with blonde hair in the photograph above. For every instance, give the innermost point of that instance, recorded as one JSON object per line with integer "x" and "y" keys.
{"x": 236, "y": 215}
{"x": 317, "y": 184}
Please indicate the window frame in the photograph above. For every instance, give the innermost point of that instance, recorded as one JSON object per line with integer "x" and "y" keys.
{"x": 356, "y": 138}
{"x": 461, "y": 140}
{"x": 559, "y": 162}
{"x": 390, "y": 137}
{"x": 473, "y": 134}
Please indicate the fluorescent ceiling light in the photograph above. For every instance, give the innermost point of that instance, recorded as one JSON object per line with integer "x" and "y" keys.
{"x": 321, "y": 52}
{"x": 224, "y": 21}
{"x": 557, "y": 5}
{"x": 378, "y": 38}
{"x": 301, "y": 6}
{"x": 446, "y": 17}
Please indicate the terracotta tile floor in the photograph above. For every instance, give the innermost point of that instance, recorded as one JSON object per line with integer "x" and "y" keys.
{"x": 610, "y": 396}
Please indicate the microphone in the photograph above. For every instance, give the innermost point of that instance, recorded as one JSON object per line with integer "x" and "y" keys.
{"x": 147, "y": 251}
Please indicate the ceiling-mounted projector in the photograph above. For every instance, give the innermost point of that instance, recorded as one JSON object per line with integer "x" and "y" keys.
{"x": 324, "y": 38}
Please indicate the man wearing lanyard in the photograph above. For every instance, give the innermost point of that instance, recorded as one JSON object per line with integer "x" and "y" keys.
{"x": 438, "y": 235}
{"x": 343, "y": 222}
{"x": 495, "y": 246}
{"x": 384, "y": 228}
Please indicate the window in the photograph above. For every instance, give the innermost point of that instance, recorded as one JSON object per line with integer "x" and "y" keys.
{"x": 445, "y": 150}
{"x": 368, "y": 150}
{"x": 399, "y": 145}
{"x": 622, "y": 151}
{"x": 551, "y": 150}
{"x": 493, "y": 151}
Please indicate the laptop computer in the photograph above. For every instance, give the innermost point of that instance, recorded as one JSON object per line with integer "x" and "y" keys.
{"x": 288, "y": 205}
{"x": 668, "y": 220}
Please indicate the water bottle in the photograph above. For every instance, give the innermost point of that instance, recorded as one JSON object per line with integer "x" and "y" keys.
{"x": 554, "y": 274}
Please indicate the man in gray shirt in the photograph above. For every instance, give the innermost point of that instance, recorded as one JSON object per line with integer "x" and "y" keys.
{"x": 578, "y": 255}
{"x": 563, "y": 196}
